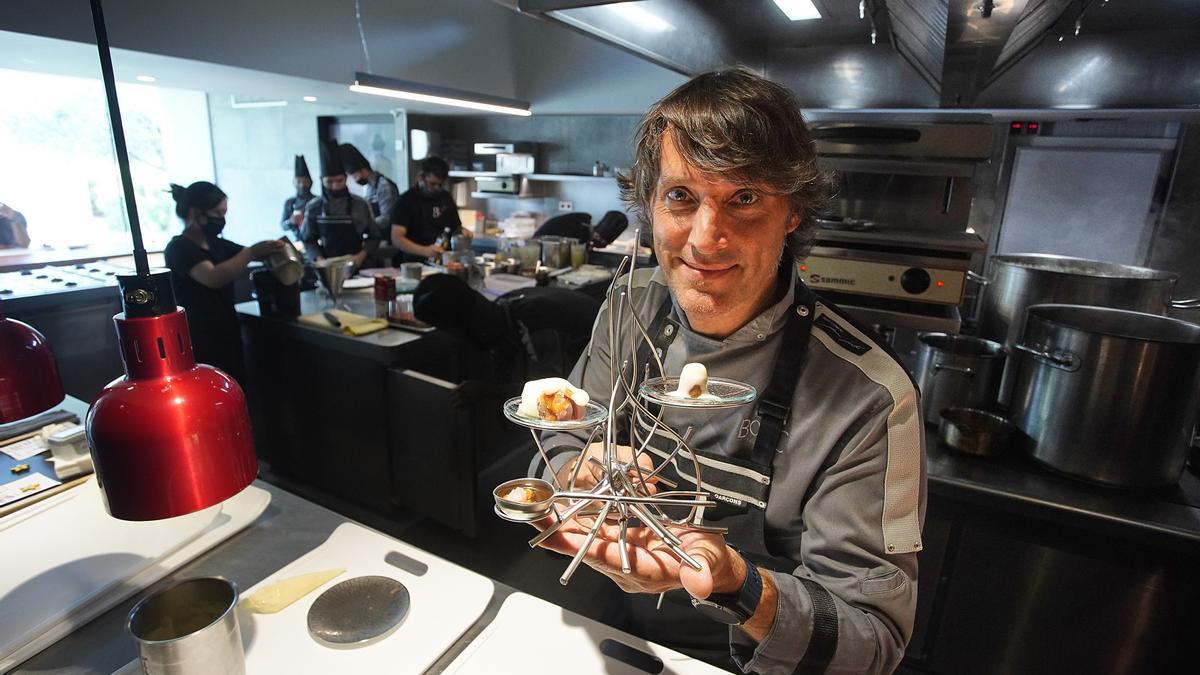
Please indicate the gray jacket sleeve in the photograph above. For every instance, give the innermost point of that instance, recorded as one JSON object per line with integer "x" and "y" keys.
{"x": 386, "y": 197}
{"x": 840, "y": 547}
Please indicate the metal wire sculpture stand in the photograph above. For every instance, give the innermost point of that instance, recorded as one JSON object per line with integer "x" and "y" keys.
{"x": 622, "y": 492}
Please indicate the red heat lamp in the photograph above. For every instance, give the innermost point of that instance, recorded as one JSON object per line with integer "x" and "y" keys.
{"x": 29, "y": 381}
{"x": 171, "y": 436}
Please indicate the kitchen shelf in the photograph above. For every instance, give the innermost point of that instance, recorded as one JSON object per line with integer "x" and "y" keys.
{"x": 504, "y": 195}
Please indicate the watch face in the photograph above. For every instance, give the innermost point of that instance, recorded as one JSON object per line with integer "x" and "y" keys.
{"x": 718, "y": 613}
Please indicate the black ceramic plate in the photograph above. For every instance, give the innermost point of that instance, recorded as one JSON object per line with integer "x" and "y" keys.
{"x": 358, "y": 610}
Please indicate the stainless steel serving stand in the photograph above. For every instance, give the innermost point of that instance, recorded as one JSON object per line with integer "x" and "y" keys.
{"x": 622, "y": 493}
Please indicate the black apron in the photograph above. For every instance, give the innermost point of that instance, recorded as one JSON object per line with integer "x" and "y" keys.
{"x": 676, "y": 623}
{"x": 338, "y": 236}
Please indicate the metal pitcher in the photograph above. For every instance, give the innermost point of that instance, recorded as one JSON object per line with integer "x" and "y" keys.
{"x": 190, "y": 628}
{"x": 958, "y": 371}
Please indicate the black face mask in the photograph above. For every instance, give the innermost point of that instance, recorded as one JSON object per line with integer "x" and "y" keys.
{"x": 361, "y": 181}
{"x": 335, "y": 194}
{"x": 302, "y": 192}
{"x": 213, "y": 225}
{"x": 428, "y": 191}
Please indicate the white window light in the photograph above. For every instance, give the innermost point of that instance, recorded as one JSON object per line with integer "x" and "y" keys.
{"x": 365, "y": 83}
{"x": 234, "y": 102}
{"x": 799, "y": 10}
{"x": 310, "y": 99}
{"x": 639, "y": 16}
{"x": 146, "y": 78}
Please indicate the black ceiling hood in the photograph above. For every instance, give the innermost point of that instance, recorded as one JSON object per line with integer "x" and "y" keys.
{"x": 919, "y": 53}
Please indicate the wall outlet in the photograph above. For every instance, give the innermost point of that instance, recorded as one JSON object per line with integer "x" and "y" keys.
{"x": 566, "y": 206}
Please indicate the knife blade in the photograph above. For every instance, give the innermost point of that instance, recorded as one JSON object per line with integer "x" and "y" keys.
{"x": 329, "y": 316}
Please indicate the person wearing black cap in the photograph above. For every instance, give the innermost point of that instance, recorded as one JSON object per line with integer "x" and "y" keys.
{"x": 382, "y": 192}
{"x": 425, "y": 211}
{"x": 293, "y": 207}
{"x": 532, "y": 332}
{"x": 204, "y": 267}
{"x": 338, "y": 223}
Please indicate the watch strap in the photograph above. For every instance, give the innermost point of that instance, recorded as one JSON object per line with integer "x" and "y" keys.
{"x": 744, "y": 602}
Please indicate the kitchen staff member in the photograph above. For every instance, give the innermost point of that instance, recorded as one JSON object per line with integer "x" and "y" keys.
{"x": 293, "y": 207}
{"x": 821, "y": 481}
{"x": 338, "y": 223}
{"x": 14, "y": 232}
{"x": 204, "y": 267}
{"x": 382, "y": 192}
{"x": 424, "y": 212}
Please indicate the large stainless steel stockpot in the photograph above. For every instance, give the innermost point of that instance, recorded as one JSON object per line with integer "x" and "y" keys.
{"x": 1019, "y": 281}
{"x": 1108, "y": 395}
{"x": 957, "y": 371}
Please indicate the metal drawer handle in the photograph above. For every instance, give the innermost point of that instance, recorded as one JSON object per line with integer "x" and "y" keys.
{"x": 978, "y": 278}
{"x": 1194, "y": 303}
{"x": 1064, "y": 360}
{"x": 957, "y": 369}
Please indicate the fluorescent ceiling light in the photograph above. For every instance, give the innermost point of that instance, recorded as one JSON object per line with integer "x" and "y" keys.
{"x": 235, "y": 103}
{"x": 146, "y": 78}
{"x": 365, "y": 83}
{"x": 639, "y": 16}
{"x": 799, "y": 10}
{"x": 310, "y": 99}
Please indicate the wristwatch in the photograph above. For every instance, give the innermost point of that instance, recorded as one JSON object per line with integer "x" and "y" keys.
{"x": 734, "y": 609}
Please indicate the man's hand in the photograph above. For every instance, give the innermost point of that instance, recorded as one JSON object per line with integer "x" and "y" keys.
{"x": 359, "y": 258}
{"x": 654, "y": 568}
{"x": 432, "y": 251}
{"x": 464, "y": 232}
{"x": 592, "y": 472}
{"x": 297, "y": 218}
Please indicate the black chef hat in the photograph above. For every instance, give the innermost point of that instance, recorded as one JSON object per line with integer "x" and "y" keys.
{"x": 352, "y": 159}
{"x": 202, "y": 194}
{"x": 331, "y": 160}
{"x": 301, "y": 168}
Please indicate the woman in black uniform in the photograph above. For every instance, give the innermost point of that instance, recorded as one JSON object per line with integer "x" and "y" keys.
{"x": 204, "y": 267}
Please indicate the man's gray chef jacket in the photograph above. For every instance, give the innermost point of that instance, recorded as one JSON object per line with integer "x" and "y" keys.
{"x": 847, "y": 494}
{"x": 356, "y": 207}
{"x": 383, "y": 194}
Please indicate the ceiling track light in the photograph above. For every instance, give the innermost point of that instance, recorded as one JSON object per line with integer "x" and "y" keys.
{"x": 365, "y": 83}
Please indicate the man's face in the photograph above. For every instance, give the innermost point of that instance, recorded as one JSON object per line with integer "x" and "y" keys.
{"x": 334, "y": 183}
{"x": 431, "y": 183}
{"x": 362, "y": 176}
{"x": 718, "y": 243}
{"x": 302, "y": 183}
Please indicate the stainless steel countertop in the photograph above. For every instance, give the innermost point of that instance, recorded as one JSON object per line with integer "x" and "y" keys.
{"x": 1168, "y": 518}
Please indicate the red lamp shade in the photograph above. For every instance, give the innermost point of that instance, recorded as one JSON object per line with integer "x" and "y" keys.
{"x": 170, "y": 437}
{"x": 29, "y": 381}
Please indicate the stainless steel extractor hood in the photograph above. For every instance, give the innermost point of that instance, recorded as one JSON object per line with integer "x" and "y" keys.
{"x": 919, "y": 53}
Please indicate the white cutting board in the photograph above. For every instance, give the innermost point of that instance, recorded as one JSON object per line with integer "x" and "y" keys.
{"x": 66, "y": 561}
{"x": 445, "y": 601}
{"x": 531, "y": 636}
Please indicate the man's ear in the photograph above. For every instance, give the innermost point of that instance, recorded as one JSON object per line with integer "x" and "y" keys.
{"x": 793, "y": 222}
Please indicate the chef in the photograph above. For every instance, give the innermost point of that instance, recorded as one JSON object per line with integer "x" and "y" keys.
{"x": 425, "y": 211}
{"x": 381, "y": 191}
{"x": 14, "y": 233}
{"x": 293, "y": 206}
{"x": 204, "y": 267}
{"x": 820, "y": 482}
{"x": 338, "y": 223}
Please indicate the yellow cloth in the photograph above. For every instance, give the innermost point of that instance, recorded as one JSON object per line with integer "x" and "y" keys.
{"x": 364, "y": 327}
{"x": 352, "y": 324}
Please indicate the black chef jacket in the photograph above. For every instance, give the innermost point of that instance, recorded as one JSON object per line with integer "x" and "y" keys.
{"x": 424, "y": 218}
{"x": 212, "y": 321}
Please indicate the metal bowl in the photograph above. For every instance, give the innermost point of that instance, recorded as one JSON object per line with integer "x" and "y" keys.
{"x": 974, "y": 431}
{"x": 521, "y": 510}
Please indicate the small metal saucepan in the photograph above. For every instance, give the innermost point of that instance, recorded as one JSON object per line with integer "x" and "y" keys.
{"x": 974, "y": 431}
